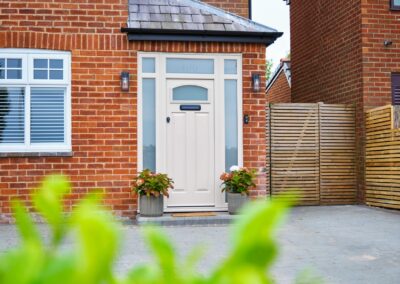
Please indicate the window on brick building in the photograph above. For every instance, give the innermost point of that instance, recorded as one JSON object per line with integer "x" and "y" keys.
{"x": 395, "y": 4}
{"x": 35, "y": 111}
{"x": 396, "y": 88}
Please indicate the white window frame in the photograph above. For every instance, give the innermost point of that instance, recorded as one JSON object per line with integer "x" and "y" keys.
{"x": 27, "y": 82}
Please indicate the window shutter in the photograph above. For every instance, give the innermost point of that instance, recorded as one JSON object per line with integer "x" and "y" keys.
{"x": 396, "y": 89}
{"x": 47, "y": 115}
{"x": 12, "y": 115}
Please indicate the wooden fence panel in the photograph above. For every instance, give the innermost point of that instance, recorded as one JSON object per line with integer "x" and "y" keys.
{"x": 337, "y": 154}
{"x": 295, "y": 150}
{"x": 382, "y": 178}
{"x": 312, "y": 151}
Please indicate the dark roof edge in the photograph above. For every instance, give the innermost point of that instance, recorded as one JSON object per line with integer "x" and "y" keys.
{"x": 276, "y": 74}
{"x": 201, "y": 35}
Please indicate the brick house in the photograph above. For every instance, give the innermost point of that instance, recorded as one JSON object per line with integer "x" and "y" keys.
{"x": 188, "y": 67}
{"x": 346, "y": 52}
{"x": 278, "y": 88}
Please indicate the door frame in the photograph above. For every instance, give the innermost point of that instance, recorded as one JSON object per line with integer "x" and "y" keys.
{"x": 161, "y": 77}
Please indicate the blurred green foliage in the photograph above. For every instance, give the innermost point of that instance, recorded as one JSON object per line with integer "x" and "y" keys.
{"x": 96, "y": 241}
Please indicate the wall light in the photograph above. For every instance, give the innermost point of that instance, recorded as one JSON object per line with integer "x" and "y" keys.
{"x": 387, "y": 42}
{"x": 124, "y": 81}
{"x": 256, "y": 80}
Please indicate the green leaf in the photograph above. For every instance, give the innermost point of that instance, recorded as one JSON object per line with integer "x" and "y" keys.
{"x": 97, "y": 240}
{"x": 25, "y": 225}
{"x": 48, "y": 201}
{"x": 164, "y": 254}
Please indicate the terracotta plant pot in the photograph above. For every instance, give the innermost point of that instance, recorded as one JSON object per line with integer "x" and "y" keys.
{"x": 151, "y": 206}
{"x": 236, "y": 202}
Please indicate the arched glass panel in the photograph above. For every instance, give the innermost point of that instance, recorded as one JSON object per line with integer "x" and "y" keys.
{"x": 190, "y": 93}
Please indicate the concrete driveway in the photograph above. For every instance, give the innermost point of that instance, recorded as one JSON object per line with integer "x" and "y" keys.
{"x": 342, "y": 244}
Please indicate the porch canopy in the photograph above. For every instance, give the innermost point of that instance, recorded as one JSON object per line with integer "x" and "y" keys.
{"x": 191, "y": 20}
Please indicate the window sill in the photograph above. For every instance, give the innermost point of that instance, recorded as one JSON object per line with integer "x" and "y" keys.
{"x": 35, "y": 154}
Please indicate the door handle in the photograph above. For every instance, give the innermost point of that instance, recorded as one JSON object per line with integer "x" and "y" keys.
{"x": 168, "y": 119}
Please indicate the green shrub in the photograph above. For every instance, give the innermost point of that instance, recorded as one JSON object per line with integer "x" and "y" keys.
{"x": 96, "y": 240}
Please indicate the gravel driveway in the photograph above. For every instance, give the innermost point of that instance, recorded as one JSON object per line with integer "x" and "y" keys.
{"x": 342, "y": 244}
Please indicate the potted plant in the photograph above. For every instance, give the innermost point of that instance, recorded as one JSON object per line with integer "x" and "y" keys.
{"x": 237, "y": 184}
{"x": 151, "y": 189}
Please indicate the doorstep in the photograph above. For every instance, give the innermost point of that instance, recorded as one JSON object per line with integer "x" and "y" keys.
{"x": 171, "y": 219}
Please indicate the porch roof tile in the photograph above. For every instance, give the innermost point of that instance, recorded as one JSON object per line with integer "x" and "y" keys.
{"x": 188, "y": 15}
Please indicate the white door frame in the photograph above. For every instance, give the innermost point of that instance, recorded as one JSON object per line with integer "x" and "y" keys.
{"x": 161, "y": 77}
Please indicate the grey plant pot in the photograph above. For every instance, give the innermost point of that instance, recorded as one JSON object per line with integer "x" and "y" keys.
{"x": 151, "y": 206}
{"x": 236, "y": 202}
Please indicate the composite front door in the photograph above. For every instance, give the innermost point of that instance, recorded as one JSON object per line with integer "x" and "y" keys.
{"x": 190, "y": 124}
{"x": 190, "y": 142}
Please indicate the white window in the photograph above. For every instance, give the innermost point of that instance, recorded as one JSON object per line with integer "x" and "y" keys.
{"x": 35, "y": 101}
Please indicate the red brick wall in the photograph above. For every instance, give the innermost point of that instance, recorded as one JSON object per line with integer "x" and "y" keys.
{"x": 280, "y": 91}
{"x": 104, "y": 119}
{"x": 379, "y": 23}
{"x": 239, "y": 7}
{"x": 326, "y": 58}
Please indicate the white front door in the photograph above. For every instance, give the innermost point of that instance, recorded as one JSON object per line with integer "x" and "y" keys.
{"x": 190, "y": 157}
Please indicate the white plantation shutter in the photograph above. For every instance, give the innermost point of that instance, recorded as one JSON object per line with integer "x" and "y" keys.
{"x": 35, "y": 101}
{"x": 396, "y": 89}
{"x": 12, "y": 115}
{"x": 47, "y": 115}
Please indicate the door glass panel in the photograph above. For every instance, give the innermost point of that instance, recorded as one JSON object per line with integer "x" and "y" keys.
{"x": 231, "y": 124}
{"x": 148, "y": 65}
{"x": 12, "y": 115}
{"x": 189, "y": 93}
{"x": 149, "y": 124}
{"x": 190, "y": 66}
{"x": 230, "y": 66}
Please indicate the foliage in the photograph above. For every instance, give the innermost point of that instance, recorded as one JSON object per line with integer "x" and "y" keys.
{"x": 268, "y": 69}
{"x": 96, "y": 238}
{"x": 149, "y": 183}
{"x": 239, "y": 180}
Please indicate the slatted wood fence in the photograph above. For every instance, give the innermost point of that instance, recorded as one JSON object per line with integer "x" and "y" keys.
{"x": 312, "y": 150}
{"x": 382, "y": 179}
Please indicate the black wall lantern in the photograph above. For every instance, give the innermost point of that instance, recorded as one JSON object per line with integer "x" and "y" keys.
{"x": 124, "y": 81}
{"x": 256, "y": 81}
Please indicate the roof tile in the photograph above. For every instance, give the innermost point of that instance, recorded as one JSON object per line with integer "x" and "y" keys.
{"x": 169, "y": 9}
{"x": 171, "y": 26}
{"x": 181, "y": 18}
